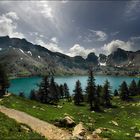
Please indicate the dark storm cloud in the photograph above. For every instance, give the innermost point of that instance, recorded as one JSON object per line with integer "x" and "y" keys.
{"x": 68, "y": 26}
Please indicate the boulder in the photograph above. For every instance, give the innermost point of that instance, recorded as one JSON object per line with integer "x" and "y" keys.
{"x": 97, "y": 131}
{"x": 133, "y": 127}
{"x": 95, "y": 137}
{"x": 65, "y": 114}
{"x": 79, "y": 131}
{"x": 42, "y": 109}
{"x": 59, "y": 106}
{"x": 137, "y": 136}
{"x": 67, "y": 121}
{"x": 7, "y": 94}
{"x": 34, "y": 107}
{"x": 122, "y": 106}
{"x": 134, "y": 114}
{"x": 89, "y": 124}
{"x": 127, "y": 134}
{"x": 27, "y": 129}
{"x": 115, "y": 123}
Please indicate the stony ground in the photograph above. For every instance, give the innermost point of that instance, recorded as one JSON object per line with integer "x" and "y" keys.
{"x": 46, "y": 129}
{"x": 122, "y": 121}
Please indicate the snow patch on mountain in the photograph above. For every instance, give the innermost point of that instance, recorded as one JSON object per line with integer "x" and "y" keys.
{"x": 21, "y": 51}
{"x": 29, "y": 52}
{"x": 102, "y": 64}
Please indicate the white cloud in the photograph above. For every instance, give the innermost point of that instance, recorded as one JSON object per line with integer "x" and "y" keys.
{"x": 78, "y": 50}
{"x": 51, "y": 45}
{"x": 135, "y": 38}
{"x": 115, "y": 44}
{"x": 45, "y": 9}
{"x": 101, "y": 36}
{"x": 8, "y": 25}
{"x": 131, "y": 6}
{"x": 135, "y": 42}
{"x": 12, "y": 15}
{"x": 132, "y": 9}
{"x": 64, "y": 1}
{"x": 41, "y": 36}
{"x": 54, "y": 40}
{"x": 115, "y": 33}
{"x": 95, "y": 36}
{"x": 41, "y": 16}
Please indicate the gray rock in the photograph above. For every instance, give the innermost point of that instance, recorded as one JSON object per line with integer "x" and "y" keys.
{"x": 137, "y": 136}
{"x": 79, "y": 131}
{"x": 97, "y": 131}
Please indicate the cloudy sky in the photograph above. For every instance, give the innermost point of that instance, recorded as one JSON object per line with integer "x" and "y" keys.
{"x": 74, "y": 27}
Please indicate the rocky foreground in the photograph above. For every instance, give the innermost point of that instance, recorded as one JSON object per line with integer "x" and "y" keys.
{"x": 76, "y": 122}
{"x": 48, "y": 130}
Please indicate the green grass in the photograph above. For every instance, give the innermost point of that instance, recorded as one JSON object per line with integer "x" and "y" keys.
{"x": 127, "y": 115}
{"x": 11, "y": 130}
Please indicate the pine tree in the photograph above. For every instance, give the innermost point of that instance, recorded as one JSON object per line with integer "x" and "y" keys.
{"x": 43, "y": 93}
{"x": 78, "y": 96}
{"x": 138, "y": 88}
{"x": 61, "y": 91}
{"x": 54, "y": 96}
{"x": 32, "y": 95}
{"x": 21, "y": 94}
{"x": 133, "y": 88}
{"x": 124, "y": 92}
{"x": 91, "y": 92}
{"x": 99, "y": 94}
{"x": 116, "y": 92}
{"x": 4, "y": 82}
{"x": 66, "y": 91}
{"x": 58, "y": 91}
{"x": 106, "y": 94}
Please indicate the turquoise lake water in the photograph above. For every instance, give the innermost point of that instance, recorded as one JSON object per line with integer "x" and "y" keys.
{"x": 27, "y": 84}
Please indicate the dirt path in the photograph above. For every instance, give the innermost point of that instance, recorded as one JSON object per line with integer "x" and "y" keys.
{"x": 46, "y": 129}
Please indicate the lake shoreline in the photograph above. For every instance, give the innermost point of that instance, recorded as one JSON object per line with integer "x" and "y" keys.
{"x": 26, "y": 84}
{"x": 28, "y": 76}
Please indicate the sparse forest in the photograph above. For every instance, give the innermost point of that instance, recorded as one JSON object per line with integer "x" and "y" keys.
{"x": 4, "y": 82}
{"x": 55, "y": 101}
{"x": 97, "y": 96}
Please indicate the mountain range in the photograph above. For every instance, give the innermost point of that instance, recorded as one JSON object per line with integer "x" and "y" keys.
{"x": 22, "y": 58}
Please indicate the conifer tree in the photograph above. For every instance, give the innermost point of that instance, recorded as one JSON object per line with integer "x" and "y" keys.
{"x": 133, "y": 88}
{"x": 91, "y": 91}
{"x": 44, "y": 91}
{"x": 4, "y": 82}
{"x": 116, "y": 92}
{"x": 124, "y": 92}
{"x": 21, "y": 94}
{"x": 106, "y": 94}
{"x": 32, "y": 95}
{"x": 99, "y": 94}
{"x": 138, "y": 88}
{"x": 61, "y": 91}
{"x": 58, "y": 91}
{"x": 78, "y": 96}
{"x": 66, "y": 91}
{"x": 54, "y": 96}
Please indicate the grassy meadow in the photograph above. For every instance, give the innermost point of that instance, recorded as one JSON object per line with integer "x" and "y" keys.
{"x": 11, "y": 130}
{"x": 126, "y": 114}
